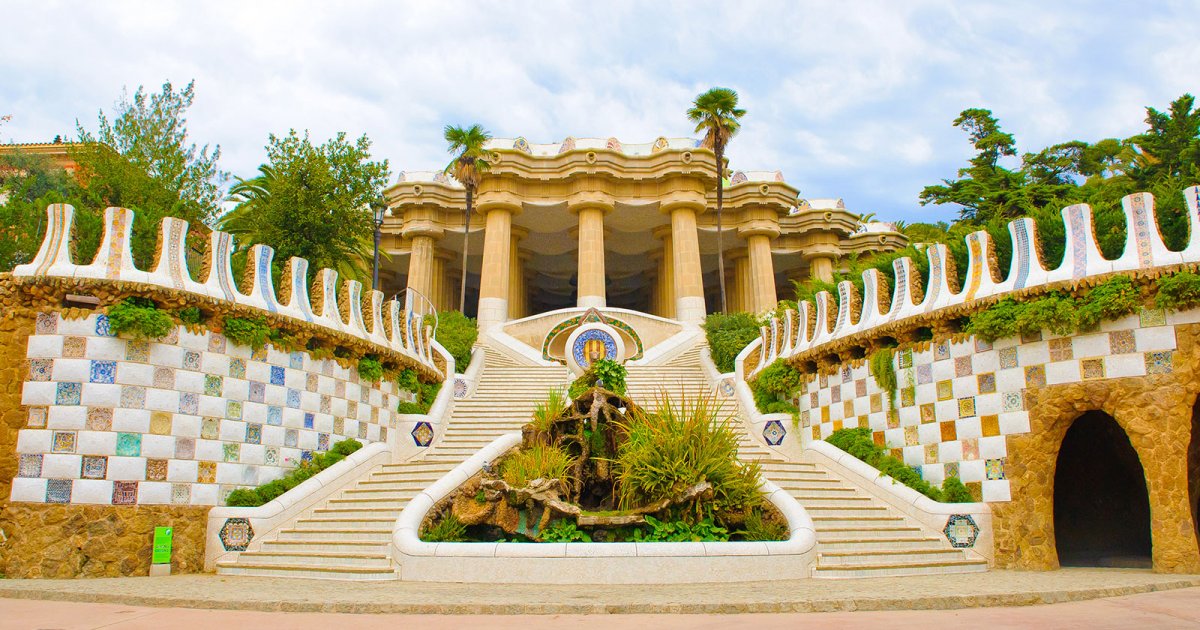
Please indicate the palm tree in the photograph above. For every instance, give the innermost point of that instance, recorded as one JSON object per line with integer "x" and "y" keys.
{"x": 468, "y": 166}
{"x": 716, "y": 113}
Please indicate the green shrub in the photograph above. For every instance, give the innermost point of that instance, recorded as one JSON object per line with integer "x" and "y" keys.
{"x": 1058, "y": 312}
{"x": 998, "y": 321}
{"x": 758, "y": 528}
{"x": 1054, "y": 311}
{"x": 728, "y": 335}
{"x": 254, "y": 497}
{"x": 370, "y": 369}
{"x": 536, "y": 462}
{"x": 775, "y": 385}
{"x": 457, "y": 333}
{"x": 859, "y": 443}
{"x": 677, "y": 446}
{"x": 139, "y": 318}
{"x": 426, "y": 392}
{"x": 564, "y": 530}
{"x": 680, "y": 531}
{"x": 611, "y": 373}
{"x": 953, "y": 491}
{"x": 549, "y": 409}
{"x": 247, "y": 331}
{"x": 1178, "y": 291}
{"x": 1112, "y": 299}
{"x": 884, "y": 372}
{"x": 409, "y": 407}
{"x": 449, "y": 529}
{"x": 191, "y": 315}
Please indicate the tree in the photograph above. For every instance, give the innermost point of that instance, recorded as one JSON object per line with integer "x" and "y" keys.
{"x": 142, "y": 160}
{"x": 471, "y": 161}
{"x": 28, "y": 184}
{"x": 312, "y": 202}
{"x": 716, "y": 113}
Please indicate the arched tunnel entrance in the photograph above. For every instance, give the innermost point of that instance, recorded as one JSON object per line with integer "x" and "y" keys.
{"x": 1193, "y": 469}
{"x": 1101, "y": 506}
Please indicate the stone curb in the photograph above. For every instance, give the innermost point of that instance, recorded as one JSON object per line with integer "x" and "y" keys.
{"x": 851, "y": 604}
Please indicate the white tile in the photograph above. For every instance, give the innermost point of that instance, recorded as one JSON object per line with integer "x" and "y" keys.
{"x": 971, "y": 471}
{"x": 1014, "y": 422}
{"x": 97, "y": 443}
{"x": 84, "y": 327}
{"x": 71, "y": 370}
{"x": 276, "y": 395}
{"x": 126, "y": 468}
{"x": 28, "y": 490}
{"x": 166, "y": 356}
{"x": 253, "y": 454}
{"x": 38, "y": 393}
{"x": 131, "y": 420}
{"x": 1117, "y": 366}
{"x": 110, "y": 348}
{"x": 228, "y": 472}
{"x": 914, "y": 455}
{"x": 93, "y": 491}
{"x": 61, "y": 466}
{"x": 1091, "y": 345}
{"x": 44, "y": 346}
{"x": 162, "y": 399}
{"x": 64, "y": 417}
{"x": 1062, "y": 372}
{"x": 186, "y": 426}
{"x": 933, "y": 473}
{"x": 1033, "y": 353}
{"x": 209, "y": 451}
{"x": 992, "y": 447}
{"x": 930, "y": 433}
{"x": 307, "y": 440}
{"x": 214, "y": 363}
{"x": 987, "y": 404}
{"x": 996, "y": 490}
{"x": 1148, "y": 339}
{"x": 987, "y": 361}
{"x": 205, "y": 494}
{"x": 968, "y": 428}
{"x": 154, "y": 493}
{"x": 129, "y": 373}
{"x": 950, "y": 451}
{"x": 182, "y": 470}
{"x": 34, "y": 440}
{"x": 189, "y": 381}
{"x": 237, "y": 388}
{"x": 1010, "y": 380}
{"x": 100, "y": 395}
{"x": 233, "y": 431}
{"x": 192, "y": 341}
{"x": 158, "y": 446}
{"x": 258, "y": 371}
{"x": 212, "y": 407}
{"x": 273, "y": 435}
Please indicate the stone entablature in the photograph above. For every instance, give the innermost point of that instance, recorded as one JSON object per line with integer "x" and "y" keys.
{"x": 392, "y": 330}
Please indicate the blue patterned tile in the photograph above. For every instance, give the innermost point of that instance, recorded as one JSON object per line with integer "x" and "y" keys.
{"x": 237, "y": 368}
{"x": 293, "y": 398}
{"x": 277, "y": 375}
{"x": 40, "y": 370}
{"x": 322, "y": 441}
{"x": 59, "y": 490}
{"x": 68, "y": 393}
{"x": 308, "y": 421}
{"x": 274, "y": 415}
{"x": 1160, "y": 362}
{"x": 306, "y": 456}
{"x": 129, "y": 444}
{"x": 253, "y": 433}
{"x": 290, "y": 438}
{"x": 103, "y": 327}
{"x": 296, "y": 360}
{"x": 189, "y": 403}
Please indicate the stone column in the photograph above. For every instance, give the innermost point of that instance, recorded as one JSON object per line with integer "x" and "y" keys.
{"x": 666, "y": 274}
{"x": 515, "y": 271}
{"x": 821, "y": 268}
{"x": 450, "y": 288}
{"x": 591, "y": 282}
{"x": 494, "y": 277}
{"x": 685, "y": 245}
{"x": 420, "y": 264}
{"x": 437, "y": 286}
{"x": 762, "y": 273}
{"x": 737, "y": 289}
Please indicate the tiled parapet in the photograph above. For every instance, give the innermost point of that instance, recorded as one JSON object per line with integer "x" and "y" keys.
{"x": 321, "y": 306}
{"x": 182, "y": 420}
{"x": 822, "y": 325}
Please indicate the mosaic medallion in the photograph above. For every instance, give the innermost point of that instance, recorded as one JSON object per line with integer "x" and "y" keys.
{"x": 422, "y": 434}
{"x": 460, "y": 388}
{"x": 726, "y": 387}
{"x": 593, "y": 344}
{"x": 236, "y": 534}
{"x": 773, "y": 432}
{"x": 961, "y": 531}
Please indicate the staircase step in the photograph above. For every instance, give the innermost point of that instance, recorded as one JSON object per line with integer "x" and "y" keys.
{"x": 376, "y": 561}
{"x": 304, "y": 534}
{"x": 837, "y": 533}
{"x": 326, "y": 572}
{"x": 884, "y": 570}
{"x": 343, "y": 523}
{"x": 337, "y": 546}
{"x": 882, "y": 557}
{"x": 881, "y": 543}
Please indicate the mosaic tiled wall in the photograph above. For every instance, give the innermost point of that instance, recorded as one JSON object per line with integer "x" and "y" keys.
{"x": 958, "y": 401}
{"x": 182, "y": 420}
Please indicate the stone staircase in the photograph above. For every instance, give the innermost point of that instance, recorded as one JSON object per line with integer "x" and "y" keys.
{"x": 857, "y": 534}
{"x": 347, "y": 536}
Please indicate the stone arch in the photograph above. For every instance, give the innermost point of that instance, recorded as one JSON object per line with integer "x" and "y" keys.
{"x": 1101, "y": 505}
{"x": 1155, "y": 413}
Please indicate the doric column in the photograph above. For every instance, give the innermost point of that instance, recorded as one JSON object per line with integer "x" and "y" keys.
{"x": 762, "y": 273}
{"x": 516, "y": 307}
{"x": 820, "y": 266}
{"x": 666, "y": 274}
{"x": 591, "y": 280}
{"x": 450, "y": 288}
{"x": 420, "y": 264}
{"x": 685, "y": 245}
{"x": 494, "y": 276}
{"x": 437, "y": 282}
{"x": 737, "y": 290}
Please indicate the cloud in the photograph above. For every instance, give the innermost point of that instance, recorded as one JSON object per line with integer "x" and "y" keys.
{"x": 850, "y": 100}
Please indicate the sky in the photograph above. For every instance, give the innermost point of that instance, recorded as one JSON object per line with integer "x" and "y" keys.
{"x": 849, "y": 99}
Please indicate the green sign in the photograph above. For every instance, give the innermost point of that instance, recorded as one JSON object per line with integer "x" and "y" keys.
{"x": 162, "y": 545}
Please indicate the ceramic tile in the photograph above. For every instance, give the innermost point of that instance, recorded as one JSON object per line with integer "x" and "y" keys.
{"x": 68, "y": 393}
{"x": 339, "y": 426}
{"x": 893, "y": 419}
{"x": 308, "y": 421}
{"x": 137, "y": 351}
{"x": 1061, "y": 349}
{"x": 339, "y": 388}
{"x": 277, "y": 375}
{"x": 990, "y": 425}
{"x": 322, "y": 441}
{"x": 924, "y": 373}
{"x": 1092, "y": 368}
{"x": 1012, "y": 401}
{"x": 129, "y": 444}
{"x": 1031, "y": 338}
{"x": 206, "y": 472}
{"x": 231, "y": 451}
{"x": 982, "y": 346}
{"x": 233, "y": 410}
{"x": 986, "y": 383}
{"x": 185, "y": 448}
{"x": 1153, "y": 317}
{"x": 1156, "y": 362}
{"x": 941, "y": 351}
{"x": 945, "y": 390}
{"x": 29, "y": 465}
{"x": 237, "y": 368}
{"x": 908, "y": 397}
{"x": 181, "y": 493}
{"x": 970, "y": 448}
{"x": 58, "y": 490}
{"x": 258, "y": 392}
{"x": 46, "y": 324}
{"x": 164, "y": 377}
{"x": 383, "y": 434}
{"x": 306, "y": 456}
{"x": 271, "y": 456}
{"x": 911, "y": 438}
{"x": 259, "y": 354}
{"x": 930, "y": 452}
{"x": 351, "y": 409}
{"x": 876, "y": 403}
{"x": 37, "y": 417}
{"x": 966, "y": 407}
{"x": 172, "y": 337}
{"x": 210, "y": 428}
{"x": 994, "y": 468}
{"x": 310, "y": 382}
{"x": 1035, "y": 376}
{"x": 1122, "y": 342}
{"x": 40, "y": 370}
{"x": 293, "y": 398}
{"x": 74, "y": 347}
{"x": 253, "y": 433}
{"x": 962, "y": 366}
{"x": 275, "y": 415}
{"x": 191, "y": 360}
{"x": 362, "y": 431}
{"x": 835, "y": 393}
{"x": 214, "y": 385}
{"x": 160, "y": 422}
{"x": 1007, "y": 357}
{"x": 99, "y": 419}
{"x": 291, "y": 438}
{"x": 189, "y": 403}
{"x": 216, "y": 343}
{"x": 927, "y": 413}
{"x": 950, "y": 469}
{"x": 156, "y": 470}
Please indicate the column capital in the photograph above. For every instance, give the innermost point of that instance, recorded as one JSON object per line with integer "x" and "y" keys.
{"x": 422, "y": 228}
{"x": 737, "y": 253}
{"x": 518, "y": 232}
{"x": 492, "y": 205}
{"x": 671, "y": 205}
{"x": 590, "y": 200}
{"x": 662, "y": 232}
{"x": 759, "y": 227}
